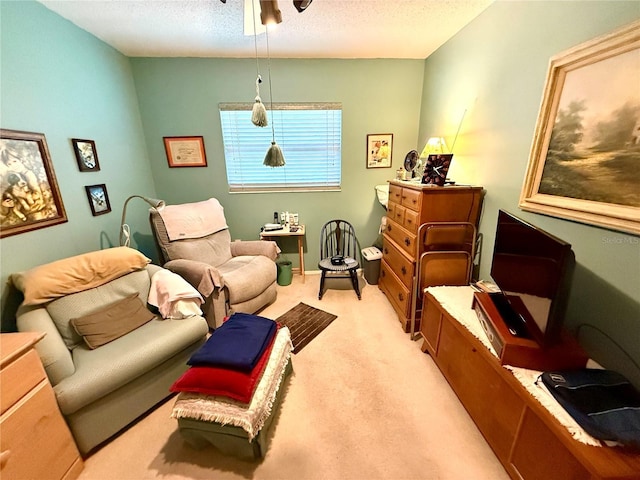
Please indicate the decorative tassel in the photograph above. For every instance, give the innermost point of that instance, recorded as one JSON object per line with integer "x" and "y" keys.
{"x": 259, "y": 116}
{"x": 274, "y": 157}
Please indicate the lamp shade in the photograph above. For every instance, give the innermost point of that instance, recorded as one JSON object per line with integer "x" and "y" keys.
{"x": 435, "y": 145}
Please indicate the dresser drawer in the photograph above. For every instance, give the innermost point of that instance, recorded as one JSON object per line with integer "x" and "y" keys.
{"x": 411, "y": 220}
{"x": 18, "y": 378}
{"x": 397, "y": 292}
{"x": 35, "y": 439}
{"x": 398, "y": 215}
{"x": 411, "y": 199}
{"x": 397, "y": 261}
{"x": 395, "y": 194}
{"x": 402, "y": 237}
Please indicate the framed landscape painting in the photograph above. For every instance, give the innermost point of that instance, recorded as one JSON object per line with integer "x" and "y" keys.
{"x": 584, "y": 163}
{"x": 30, "y": 195}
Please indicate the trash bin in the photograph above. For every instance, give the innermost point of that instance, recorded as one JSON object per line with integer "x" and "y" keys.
{"x": 284, "y": 272}
{"x": 371, "y": 264}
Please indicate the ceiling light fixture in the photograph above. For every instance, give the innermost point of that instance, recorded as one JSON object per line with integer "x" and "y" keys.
{"x": 301, "y": 5}
{"x": 259, "y": 114}
{"x": 269, "y": 12}
{"x": 274, "y": 156}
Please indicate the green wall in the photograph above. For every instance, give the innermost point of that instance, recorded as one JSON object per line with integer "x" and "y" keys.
{"x": 495, "y": 69}
{"x": 58, "y": 80}
{"x": 181, "y": 96}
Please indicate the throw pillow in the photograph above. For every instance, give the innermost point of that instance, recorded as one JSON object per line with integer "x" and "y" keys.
{"x": 223, "y": 382}
{"x": 75, "y": 274}
{"x": 112, "y": 321}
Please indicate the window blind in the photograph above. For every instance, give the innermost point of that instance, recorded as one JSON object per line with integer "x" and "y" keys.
{"x": 309, "y": 135}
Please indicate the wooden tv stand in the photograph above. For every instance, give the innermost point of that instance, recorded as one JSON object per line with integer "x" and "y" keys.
{"x": 527, "y": 439}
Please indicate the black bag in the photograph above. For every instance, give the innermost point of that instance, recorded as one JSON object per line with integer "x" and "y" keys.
{"x": 603, "y": 402}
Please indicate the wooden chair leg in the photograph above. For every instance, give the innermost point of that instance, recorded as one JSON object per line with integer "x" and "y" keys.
{"x": 321, "y": 292}
{"x": 354, "y": 282}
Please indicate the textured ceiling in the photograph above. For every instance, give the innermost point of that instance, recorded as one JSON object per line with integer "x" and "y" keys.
{"x": 326, "y": 29}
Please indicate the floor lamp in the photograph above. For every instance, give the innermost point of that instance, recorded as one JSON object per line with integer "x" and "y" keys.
{"x": 125, "y": 233}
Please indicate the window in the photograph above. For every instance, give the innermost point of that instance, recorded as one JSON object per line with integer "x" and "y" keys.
{"x": 309, "y": 135}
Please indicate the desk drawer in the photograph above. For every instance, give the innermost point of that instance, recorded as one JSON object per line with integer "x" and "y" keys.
{"x": 18, "y": 378}
{"x": 398, "y": 214}
{"x": 403, "y": 238}
{"x": 397, "y": 261}
{"x": 398, "y": 293}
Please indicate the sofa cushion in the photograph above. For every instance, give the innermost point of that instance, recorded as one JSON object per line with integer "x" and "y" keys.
{"x": 101, "y": 371}
{"x": 89, "y": 301}
{"x": 213, "y": 250}
{"x": 75, "y": 274}
{"x": 113, "y": 321}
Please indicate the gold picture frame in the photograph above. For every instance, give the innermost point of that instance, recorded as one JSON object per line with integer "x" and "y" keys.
{"x": 185, "y": 151}
{"x": 379, "y": 150}
{"x": 30, "y": 195}
{"x": 584, "y": 159}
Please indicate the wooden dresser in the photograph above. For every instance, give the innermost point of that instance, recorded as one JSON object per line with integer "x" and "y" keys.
{"x": 528, "y": 440}
{"x": 36, "y": 442}
{"x": 410, "y": 205}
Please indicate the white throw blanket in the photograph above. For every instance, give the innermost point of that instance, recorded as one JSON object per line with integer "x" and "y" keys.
{"x": 225, "y": 411}
{"x": 174, "y": 296}
{"x": 193, "y": 220}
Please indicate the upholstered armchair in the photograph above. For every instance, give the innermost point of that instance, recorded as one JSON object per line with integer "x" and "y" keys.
{"x": 193, "y": 240}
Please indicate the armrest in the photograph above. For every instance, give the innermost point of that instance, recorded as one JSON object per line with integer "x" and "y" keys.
{"x": 266, "y": 248}
{"x": 202, "y": 276}
{"x": 53, "y": 352}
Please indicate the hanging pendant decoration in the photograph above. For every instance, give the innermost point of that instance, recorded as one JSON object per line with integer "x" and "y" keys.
{"x": 274, "y": 156}
{"x": 259, "y": 115}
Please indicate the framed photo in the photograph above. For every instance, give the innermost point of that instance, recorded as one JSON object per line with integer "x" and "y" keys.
{"x": 379, "y": 148}
{"x": 185, "y": 151}
{"x": 585, "y": 155}
{"x": 30, "y": 195}
{"x": 98, "y": 199}
{"x": 86, "y": 155}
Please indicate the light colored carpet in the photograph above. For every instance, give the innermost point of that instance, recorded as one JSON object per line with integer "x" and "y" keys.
{"x": 363, "y": 403}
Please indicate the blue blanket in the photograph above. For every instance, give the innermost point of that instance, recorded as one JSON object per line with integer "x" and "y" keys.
{"x": 237, "y": 344}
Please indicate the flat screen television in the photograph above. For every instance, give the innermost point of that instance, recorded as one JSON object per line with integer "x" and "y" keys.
{"x": 533, "y": 270}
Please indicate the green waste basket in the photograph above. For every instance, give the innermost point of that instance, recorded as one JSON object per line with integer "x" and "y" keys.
{"x": 284, "y": 272}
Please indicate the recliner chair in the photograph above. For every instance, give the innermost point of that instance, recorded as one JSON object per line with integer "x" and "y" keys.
{"x": 237, "y": 276}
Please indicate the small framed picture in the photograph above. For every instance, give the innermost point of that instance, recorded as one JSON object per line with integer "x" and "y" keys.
{"x": 86, "y": 155}
{"x": 379, "y": 147}
{"x": 185, "y": 151}
{"x": 98, "y": 199}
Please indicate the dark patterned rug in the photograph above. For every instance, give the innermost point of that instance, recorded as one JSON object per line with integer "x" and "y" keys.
{"x": 305, "y": 323}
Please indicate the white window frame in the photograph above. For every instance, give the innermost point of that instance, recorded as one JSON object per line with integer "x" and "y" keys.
{"x": 312, "y": 147}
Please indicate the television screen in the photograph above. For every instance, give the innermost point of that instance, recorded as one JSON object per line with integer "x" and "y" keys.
{"x": 533, "y": 270}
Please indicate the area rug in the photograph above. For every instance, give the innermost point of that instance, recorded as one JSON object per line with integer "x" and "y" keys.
{"x": 305, "y": 323}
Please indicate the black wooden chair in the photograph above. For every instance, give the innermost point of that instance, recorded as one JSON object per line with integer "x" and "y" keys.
{"x": 338, "y": 253}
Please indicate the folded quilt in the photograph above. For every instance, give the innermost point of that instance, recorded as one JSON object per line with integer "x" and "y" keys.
{"x": 223, "y": 382}
{"x": 249, "y": 417}
{"x": 236, "y": 344}
{"x": 193, "y": 220}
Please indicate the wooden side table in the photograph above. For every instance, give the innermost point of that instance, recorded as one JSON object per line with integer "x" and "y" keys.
{"x": 35, "y": 441}
{"x": 286, "y": 232}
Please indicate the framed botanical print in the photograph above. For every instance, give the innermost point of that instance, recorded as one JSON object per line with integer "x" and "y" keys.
{"x": 584, "y": 160}
{"x": 30, "y": 194}
{"x": 98, "y": 199}
{"x": 86, "y": 155}
{"x": 379, "y": 149}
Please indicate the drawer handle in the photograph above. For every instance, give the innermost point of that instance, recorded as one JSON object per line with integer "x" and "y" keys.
{"x": 388, "y": 228}
{"x": 384, "y": 274}
{"x": 407, "y": 241}
{"x": 414, "y": 201}
{"x": 4, "y": 457}
{"x": 401, "y": 297}
{"x": 386, "y": 250}
{"x": 404, "y": 270}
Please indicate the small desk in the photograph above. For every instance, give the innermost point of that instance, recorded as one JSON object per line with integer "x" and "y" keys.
{"x": 286, "y": 232}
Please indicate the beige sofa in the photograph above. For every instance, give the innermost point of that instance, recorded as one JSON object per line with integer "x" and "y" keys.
{"x": 102, "y": 390}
